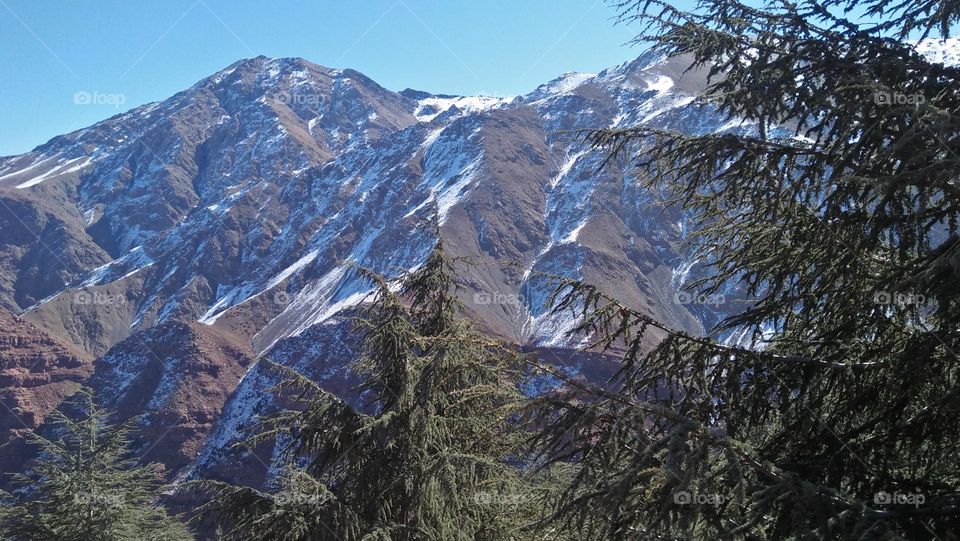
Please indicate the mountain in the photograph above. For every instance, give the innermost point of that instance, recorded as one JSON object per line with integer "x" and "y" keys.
{"x": 177, "y": 245}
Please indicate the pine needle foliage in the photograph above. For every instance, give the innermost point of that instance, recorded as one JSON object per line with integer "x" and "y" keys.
{"x": 839, "y": 417}
{"x": 436, "y": 457}
{"x": 86, "y": 485}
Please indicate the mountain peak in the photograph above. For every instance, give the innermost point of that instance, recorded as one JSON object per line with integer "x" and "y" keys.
{"x": 564, "y": 83}
{"x": 266, "y": 69}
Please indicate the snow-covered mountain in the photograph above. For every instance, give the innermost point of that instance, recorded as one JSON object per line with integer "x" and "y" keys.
{"x": 166, "y": 249}
{"x": 267, "y": 179}
{"x": 176, "y": 242}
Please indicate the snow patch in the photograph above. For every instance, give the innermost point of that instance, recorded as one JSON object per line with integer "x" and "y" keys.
{"x": 30, "y": 167}
{"x": 241, "y": 408}
{"x": 468, "y": 104}
{"x": 679, "y": 275}
{"x": 565, "y": 83}
{"x": 56, "y": 171}
{"x": 62, "y": 168}
{"x": 661, "y": 85}
{"x": 574, "y": 233}
{"x": 668, "y": 105}
{"x": 566, "y": 167}
{"x": 450, "y": 195}
{"x": 292, "y": 269}
{"x": 128, "y": 265}
{"x": 943, "y": 51}
{"x": 219, "y": 308}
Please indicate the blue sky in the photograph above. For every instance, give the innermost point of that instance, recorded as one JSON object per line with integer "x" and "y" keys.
{"x": 135, "y": 52}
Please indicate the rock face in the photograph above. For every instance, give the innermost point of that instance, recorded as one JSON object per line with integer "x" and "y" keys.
{"x": 180, "y": 241}
{"x": 37, "y": 372}
{"x": 176, "y": 376}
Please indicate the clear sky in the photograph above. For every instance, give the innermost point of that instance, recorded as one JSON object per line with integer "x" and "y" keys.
{"x": 134, "y": 52}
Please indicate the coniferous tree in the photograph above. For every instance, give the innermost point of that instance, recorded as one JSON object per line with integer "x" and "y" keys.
{"x": 837, "y": 214}
{"x": 436, "y": 458}
{"x": 87, "y": 486}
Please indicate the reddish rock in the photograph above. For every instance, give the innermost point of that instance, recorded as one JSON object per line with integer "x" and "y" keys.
{"x": 37, "y": 372}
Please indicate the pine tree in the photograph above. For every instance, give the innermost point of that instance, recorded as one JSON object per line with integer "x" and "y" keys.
{"x": 836, "y": 213}
{"x": 437, "y": 457}
{"x": 87, "y": 486}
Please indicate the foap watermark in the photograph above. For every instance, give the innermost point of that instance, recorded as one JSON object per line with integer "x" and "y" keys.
{"x": 97, "y": 499}
{"x": 282, "y": 298}
{"x": 711, "y": 299}
{"x": 98, "y": 298}
{"x": 685, "y": 497}
{"x": 299, "y": 99}
{"x": 299, "y": 498}
{"x": 898, "y": 498}
{"x": 501, "y": 498}
{"x": 507, "y": 299}
{"x": 896, "y": 98}
{"x": 99, "y": 98}
{"x": 899, "y": 299}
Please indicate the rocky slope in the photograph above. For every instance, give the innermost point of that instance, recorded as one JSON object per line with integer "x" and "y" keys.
{"x": 37, "y": 372}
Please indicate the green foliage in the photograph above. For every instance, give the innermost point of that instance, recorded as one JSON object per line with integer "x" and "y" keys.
{"x": 837, "y": 216}
{"x": 86, "y": 486}
{"x": 436, "y": 458}
{"x": 300, "y": 508}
